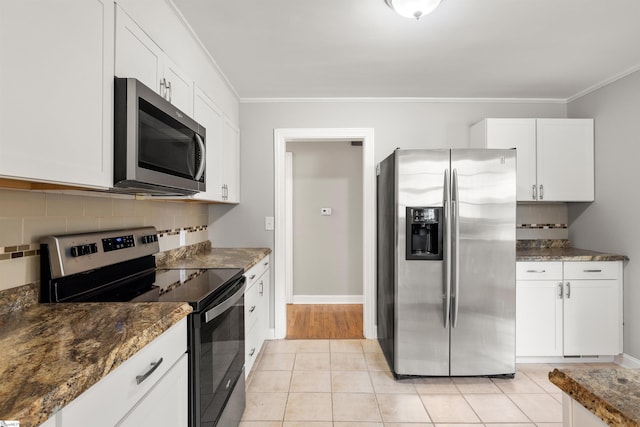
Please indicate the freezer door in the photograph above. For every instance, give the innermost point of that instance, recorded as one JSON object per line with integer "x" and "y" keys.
{"x": 483, "y": 293}
{"x": 421, "y": 330}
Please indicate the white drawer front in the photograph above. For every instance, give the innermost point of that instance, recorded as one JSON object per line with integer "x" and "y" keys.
{"x": 107, "y": 401}
{"x": 539, "y": 270}
{"x": 251, "y": 307}
{"x": 591, "y": 270}
{"x": 254, "y": 273}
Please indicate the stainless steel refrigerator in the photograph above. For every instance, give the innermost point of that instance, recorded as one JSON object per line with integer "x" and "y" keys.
{"x": 446, "y": 261}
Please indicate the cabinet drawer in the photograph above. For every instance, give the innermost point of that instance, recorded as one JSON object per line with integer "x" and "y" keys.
{"x": 252, "y": 306}
{"x": 254, "y": 273}
{"x": 539, "y": 270}
{"x": 591, "y": 270}
{"x": 119, "y": 389}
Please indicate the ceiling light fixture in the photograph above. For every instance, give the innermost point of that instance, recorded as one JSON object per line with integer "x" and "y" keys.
{"x": 413, "y": 8}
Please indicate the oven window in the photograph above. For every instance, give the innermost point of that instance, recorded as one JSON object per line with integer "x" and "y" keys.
{"x": 221, "y": 361}
{"x": 165, "y": 145}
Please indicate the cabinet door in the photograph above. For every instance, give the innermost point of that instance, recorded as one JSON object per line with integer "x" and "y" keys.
{"x": 538, "y": 318}
{"x": 56, "y": 86}
{"x": 519, "y": 134}
{"x": 208, "y": 115}
{"x": 136, "y": 54}
{"x": 230, "y": 161}
{"x": 166, "y": 404}
{"x": 591, "y": 317}
{"x": 179, "y": 87}
{"x": 565, "y": 167}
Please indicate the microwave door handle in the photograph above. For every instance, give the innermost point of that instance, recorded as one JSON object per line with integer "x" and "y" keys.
{"x": 203, "y": 156}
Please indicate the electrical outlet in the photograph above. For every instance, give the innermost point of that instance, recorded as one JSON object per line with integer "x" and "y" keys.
{"x": 269, "y": 223}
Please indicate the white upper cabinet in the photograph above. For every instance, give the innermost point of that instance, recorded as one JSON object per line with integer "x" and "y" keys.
{"x": 565, "y": 167}
{"x": 138, "y": 56}
{"x": 207, "y": 113}
{"x": 56, "y": 86}
{"x": 229, "y": 167}
{"x": 555, "y": 157}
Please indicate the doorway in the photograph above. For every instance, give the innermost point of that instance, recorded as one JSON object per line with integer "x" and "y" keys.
{"x": 324, "y": 239}
{"x": 365, "y": 135}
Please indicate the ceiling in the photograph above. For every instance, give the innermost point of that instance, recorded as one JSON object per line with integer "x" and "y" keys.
{"x": 545, "y": 49}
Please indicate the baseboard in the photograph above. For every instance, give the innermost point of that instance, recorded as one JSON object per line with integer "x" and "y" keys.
{"x": 271, "y": 334}
{"x": 328, "y": 299}
{"x": 627, "y": 361}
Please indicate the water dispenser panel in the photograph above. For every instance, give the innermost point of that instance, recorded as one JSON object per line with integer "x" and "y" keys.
{"x": 424, "y": 233}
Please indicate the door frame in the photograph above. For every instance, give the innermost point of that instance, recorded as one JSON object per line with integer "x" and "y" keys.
{"x": 280, "y": 139}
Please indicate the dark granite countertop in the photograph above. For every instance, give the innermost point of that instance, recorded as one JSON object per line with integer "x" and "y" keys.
{"x": 612, "y": 394}
{"x": 51, "y": 353}
{"x": 559, "y": 250}
{"x": 221, "y": 258}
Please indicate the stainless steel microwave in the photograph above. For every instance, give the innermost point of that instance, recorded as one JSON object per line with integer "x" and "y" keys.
{"x": 158, "y": 149}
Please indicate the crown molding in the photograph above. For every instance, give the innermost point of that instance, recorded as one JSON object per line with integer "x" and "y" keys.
{"x": 426, "y": 100}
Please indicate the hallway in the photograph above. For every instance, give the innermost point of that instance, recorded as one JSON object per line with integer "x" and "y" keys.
{"x": 329, "y": 321}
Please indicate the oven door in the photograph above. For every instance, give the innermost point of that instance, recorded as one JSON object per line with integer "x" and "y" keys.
{"x": 218, "y": 360}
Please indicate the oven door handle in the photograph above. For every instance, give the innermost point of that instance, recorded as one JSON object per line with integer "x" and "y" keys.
{"x": 226, "y": 304}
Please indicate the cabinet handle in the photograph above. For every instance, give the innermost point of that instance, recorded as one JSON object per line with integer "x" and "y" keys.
{"x": 541, "y": 191}
{"x": 253, "y": 307}
{"x": 536, "y": 271}
{"x": 251, "y": 353}
{"x": 253, "y": 276}
{"x": 534, "y": 192}
{"x": 154, "y": 366}
{"x": 560, "y": 289}
{"x": 266, "y": 263}
{"x": 169, "y": 91}
{"x": 163, "y": 87}
{"x": 592, "y": 271}
{"x": 568, "y": 290}
{"x": 261, "y": 287}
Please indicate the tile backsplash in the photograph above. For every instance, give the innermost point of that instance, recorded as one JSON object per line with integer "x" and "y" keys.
{"x": 27, "y": 216}
{"x": 542, "y": 221}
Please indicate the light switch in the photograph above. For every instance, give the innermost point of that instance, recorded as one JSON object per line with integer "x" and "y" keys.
{"x": 325, "y": 211}
{"x": 269, "y": 223}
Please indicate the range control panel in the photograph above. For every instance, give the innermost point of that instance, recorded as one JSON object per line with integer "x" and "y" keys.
{"x": 120, "y": 242}
{"x": 76, "y": 253}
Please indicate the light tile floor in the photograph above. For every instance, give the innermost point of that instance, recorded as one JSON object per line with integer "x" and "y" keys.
{"x": 347, "y": 383}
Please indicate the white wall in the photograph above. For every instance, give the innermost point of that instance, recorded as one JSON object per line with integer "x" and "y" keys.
{"x": 396, "y": 124}
{"x": 327, "y": 250}
{"x": 609, "y": 223}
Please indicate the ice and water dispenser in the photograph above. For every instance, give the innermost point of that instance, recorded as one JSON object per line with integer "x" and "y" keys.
{"x": 424, "y": 233}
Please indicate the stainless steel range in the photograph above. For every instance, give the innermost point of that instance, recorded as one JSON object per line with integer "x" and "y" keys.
{"x": 119, "y": 266}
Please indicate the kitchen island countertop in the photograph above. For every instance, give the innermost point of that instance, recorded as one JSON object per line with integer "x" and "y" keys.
{"x": 612, "y": 394}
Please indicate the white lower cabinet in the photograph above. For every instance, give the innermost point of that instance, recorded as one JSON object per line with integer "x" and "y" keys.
{"x": 576, "y": 415}
{"x": 256, "y": 303}
{"x": 149, "y": 389}
{"x": 166, "y": 403}
{"x": 568, "y": 308}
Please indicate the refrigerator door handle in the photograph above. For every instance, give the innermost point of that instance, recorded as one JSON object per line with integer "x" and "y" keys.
{"x": 455, "y": 239}
{"x": 446, "y": 204}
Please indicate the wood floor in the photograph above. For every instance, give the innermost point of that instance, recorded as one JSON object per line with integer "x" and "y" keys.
{"x": 324, "y": 321}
